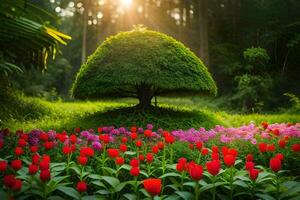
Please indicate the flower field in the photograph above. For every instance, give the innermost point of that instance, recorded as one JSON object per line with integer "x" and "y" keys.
{"x": 255, "y": 162}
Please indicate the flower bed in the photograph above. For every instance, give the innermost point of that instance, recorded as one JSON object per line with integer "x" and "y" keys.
{"x": 258, "y": 162}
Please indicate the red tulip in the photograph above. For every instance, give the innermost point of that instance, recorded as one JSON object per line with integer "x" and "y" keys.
{"x": 87, "y": 151}
{"x": 138, "y": 143}
{"x": 66, "y": 149}
{"x": 124, "y": 140}
{"x": 141, "y": 158}
{"x": 249, "y": 157}
{"x": 135, "y": 171}
{"x": 123, "y": 147}
{"x": 18, "y": 185}
{"x": 170, "y": 139}
{"x": 191, "y": 146}
{"x": 265, "y": 125}
{"x": 19, "y": 151}
{"x": 35, "y": 159}
{"x": 215, "y": 156}
{"x": 233, "y": 152}
{"x": 253, "y": 173}
{"x": 3, "y": 165}
{"x": 155, "y": 149}
{"x": 280, "y": 156}
{"x": 73, "y": 138}
{"x": 134, "y": 162}
{"x": 100, "y": 129}
{"x": 249, "y": 165}
{"x": 282, "y": 143}
{"x": 81, "y": 186}
{"x": 9, "y": 180}
{"x": 229, "y": 160}
{"x": 296, "y": 148}
{"x": 33, "y": 169}
{"x": 199, "y": 145}
{"x": 275, "y": 164}
{"x": 262, "y": 147}
{"x": 22, "y": 143}
{"x": 133, "y": 129}
{"x": 149, "y": 157}
{"x": 160, "y": 145}
{"x": 44, "y": 137}
{"x": 44, "y": 164}
{"x": 45, "y": 175}
{"x": 16, "y": 164}
{"x": 82, "y": 160}
{"x": 148, "y": 133}
{"x": 213, "y": 167}
{"x": 133, "y": 135}
{"x": 119, "y": 161}
{"x": 271, "y": 147}
{"x": 77, "y": 130}
{"x": 215, "y": 149}
{"x": 34, "y": 149}
{"x": 113, "y": 153}
{"x": 196, "y": 171}
{"x": 48, "y": 145}
{"x": 104, "y": 138}
{"x": 204, "y": 151}
{"x": 152, "y": 186}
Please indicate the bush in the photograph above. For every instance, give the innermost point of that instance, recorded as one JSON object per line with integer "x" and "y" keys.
{"x": 142, "y": 64}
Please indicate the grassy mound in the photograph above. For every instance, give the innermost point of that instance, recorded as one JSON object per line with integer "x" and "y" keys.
{"x": 40, "y": 114}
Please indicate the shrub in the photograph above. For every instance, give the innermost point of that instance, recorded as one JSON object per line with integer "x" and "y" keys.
{"x": 142, "y": 64}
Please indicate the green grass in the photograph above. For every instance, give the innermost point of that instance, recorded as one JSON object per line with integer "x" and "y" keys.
{"x": 171, "y": 114}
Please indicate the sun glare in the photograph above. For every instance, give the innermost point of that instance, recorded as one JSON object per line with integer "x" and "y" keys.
{"x": 125, "y": 3}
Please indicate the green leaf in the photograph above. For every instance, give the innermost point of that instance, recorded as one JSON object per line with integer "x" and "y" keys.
{"x": 111, "y": 180}
{"x": 122, "y": 185}
{"x": 170, "y": 174}
{"x": 55, "y": 198}
{"x": 92, "y": 197}
{"x": 191, "y": 184}
{"x": 110, "y": 170}
{"x": 98, "y": 183}
{"x": 71, "y": 192}
{"x": 265, "y": 197}
{"x": 130, "y": 196}
{"x": 131, "y": 153}
{"x": 103, "y": 192}
{"x": 95, "y": 176}
{"x": 240, "y": 183}
{"x": 185, "y": 194}
{"x": 209, "y": 186}
{"x": 173, "y": 197}
{"x": 125, "y": 166}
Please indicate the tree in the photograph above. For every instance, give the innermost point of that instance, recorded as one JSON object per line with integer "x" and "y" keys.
{"x": 142, "y": 64}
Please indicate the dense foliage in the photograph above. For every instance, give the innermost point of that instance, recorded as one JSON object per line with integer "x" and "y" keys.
{"x": 142, "y": 64}
{"x": 257, "y": 162}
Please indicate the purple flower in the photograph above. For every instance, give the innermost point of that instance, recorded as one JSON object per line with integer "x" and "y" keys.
{"x": 97, "y": 146}
{"x": 149, "y": 126}
{"x": 140, "y": 130}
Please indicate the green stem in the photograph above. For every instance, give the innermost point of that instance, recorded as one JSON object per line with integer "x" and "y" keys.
{"x": 277, "y": 187}
{"x": 214, "y": 188}
{"x": 197, "y": 192}
{"x": 231, "y": 182}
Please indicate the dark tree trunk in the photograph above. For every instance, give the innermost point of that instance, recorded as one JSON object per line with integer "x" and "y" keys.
{"x": 144, "y": 93}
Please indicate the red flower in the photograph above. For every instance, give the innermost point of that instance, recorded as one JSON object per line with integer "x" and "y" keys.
{"x": 224, "y": 150}
{"x": 66, "y": 149}
{"x": 275, "y": 164}
{"x": 9, "y": 180}
{"x": 249, "y": 165}
{"x": 46, "y": 158}
{"x": 22, "y": 143}
{"x": 19, "y": 151}
{"x": 120, "y": 161}
{"x": 82, "y": 160}
{"x": 73, "y": 138}
{"x": 265, "y": 125}
{"x": 45, "y": 175}
{"x": 152, "y": 186}
{"x": 135, "y": 171}
{"x": 181, "y": 166}
{"x": 141, "y": 157}
{"x": 123, "y": 147}
{"x": 77, "y": 130}
{"x": 148, "y": 133}
{"x": 199, "y": 145}
{"x": 253, "y": 173}
{"x": 133, "y": 129}
{"x": 104, "y": 138}
{"x": 113, "y": 153}
{"x": 134, "y": 162}
{"x": 214, "y": 156}
{"x": 138, "y": 143}
{"x": 133, "y": 135}
{"x": 213, "y": 167}
{"x": 35, "y": 159}
{"x": 204, "y": 151}
{"x": 215, "y": 149}
{"x": 276, "y": 132}
{"x": 155, "y": 149}
{"x": 271, "y": 147}
{"x": 279, "y": 156}
{"x": 282, "y": 143}
{"x": 196, "y": 171}
{"x": 44, "y": 164}
{"x": 233, "y": 152}
{"x": 296, "y": 147}
{"x": 262, "y": 147}
{"x": 18, "y": 185}
{"x": 16, "y": 164}
{"x": 149, "y": 157}
{"x": 48, "y": 145}
{"x": 170, "y": 139}
{"x": 191, "y": 146}
{"x": 229, "y": 160}
{"x": 124, "y": 140}
{"x": 3, "y": 165}
{"x": 34, "y": 149}
{"x": 87, "y": 151}
{"x": 44, "y": 137}
{"x": 100, "y": 129}
{"x": 81, "y": 186}
{"x": 160, "y": 145}
{"x": 249, "y": 157}
{"x": 33, "y": 169}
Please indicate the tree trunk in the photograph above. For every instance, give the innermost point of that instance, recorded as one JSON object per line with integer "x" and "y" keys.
{"x": 84, "y": 34}
{"x": 144, "y": 94}
{"x": 201, "y": 10}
